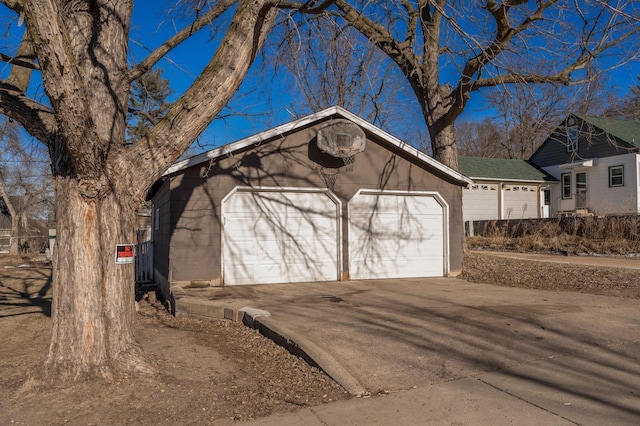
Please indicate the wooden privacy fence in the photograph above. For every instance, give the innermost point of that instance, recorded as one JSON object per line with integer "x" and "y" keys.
{"x": 144, "y": 262}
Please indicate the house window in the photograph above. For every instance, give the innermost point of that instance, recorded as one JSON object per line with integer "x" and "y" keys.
{"x": 572, "y": 135}
{"x": 616, "y": 176}
{"x": 156, "y": 220}
{"x": 566, "y": 185}
{"x": 572, "y": 139}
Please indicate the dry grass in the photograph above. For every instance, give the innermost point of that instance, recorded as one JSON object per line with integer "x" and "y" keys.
{"x": 612, "y": 235}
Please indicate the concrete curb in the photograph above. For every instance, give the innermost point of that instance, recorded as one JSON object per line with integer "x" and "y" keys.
{"x": 261, "y": 320}
{"x": 310, "y": 352}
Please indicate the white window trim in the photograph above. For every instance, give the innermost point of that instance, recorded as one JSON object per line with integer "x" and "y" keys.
{"x": 621, "y": 176}
{"x": 572, "y": 139}
{"x": 562, "y": 183}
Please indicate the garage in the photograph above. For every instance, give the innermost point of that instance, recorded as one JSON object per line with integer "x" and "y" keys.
{"x": 324, "y": 198}
{"x": 277, "y": 236}
{"x": 397, "y": 235}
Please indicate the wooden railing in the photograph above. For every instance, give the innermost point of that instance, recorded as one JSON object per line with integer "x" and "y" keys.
{"x": 144, "y": 262}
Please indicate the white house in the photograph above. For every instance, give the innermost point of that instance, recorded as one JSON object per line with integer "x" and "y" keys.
{"x": 597, "y": 163}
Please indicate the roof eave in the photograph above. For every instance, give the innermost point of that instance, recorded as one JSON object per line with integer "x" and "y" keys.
{"x": 511, "y": 180}
{"x": 309, "y": 119}
{"x": 243, "y": 143}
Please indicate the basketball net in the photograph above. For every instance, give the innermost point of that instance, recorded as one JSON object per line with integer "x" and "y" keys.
{"x": 348, "y": 162}
{"x": 329, "y": 176}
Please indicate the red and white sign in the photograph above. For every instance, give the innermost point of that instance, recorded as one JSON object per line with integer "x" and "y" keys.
{"x": 124, "y": 253}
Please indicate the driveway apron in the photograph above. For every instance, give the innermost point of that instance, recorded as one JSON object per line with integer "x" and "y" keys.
{"x": 573, "y": 354}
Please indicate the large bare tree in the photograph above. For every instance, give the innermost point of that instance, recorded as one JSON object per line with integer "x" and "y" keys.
{"x": 524, "y": 115}
{"x": 331, "y": 64}
{"x": 449, "y": 49}
{"x": 25, "y": 186}
{"x": 8, "y": 145}
{"x": 626, "y": 106}
{"x": 80, "y": 50}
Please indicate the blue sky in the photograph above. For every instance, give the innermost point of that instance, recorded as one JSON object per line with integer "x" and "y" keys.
{"x": 184, "y": 64}
{"x": 151, "y": 26}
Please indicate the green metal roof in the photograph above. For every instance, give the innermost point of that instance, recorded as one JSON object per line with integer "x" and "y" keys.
{"x": 501, "y": 169}
{"x": 626, "y": 130}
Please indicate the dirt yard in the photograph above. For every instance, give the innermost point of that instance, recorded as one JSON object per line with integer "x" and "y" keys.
{"x": 211, "y": 370}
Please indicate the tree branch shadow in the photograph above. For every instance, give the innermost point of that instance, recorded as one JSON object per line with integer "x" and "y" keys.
{"x": 18, "y": 298}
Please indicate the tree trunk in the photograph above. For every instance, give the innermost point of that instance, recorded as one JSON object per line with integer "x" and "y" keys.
{"x": 93, "y": 298}
{"x": 14, "y": 248}
{"x": 443, "y": 143}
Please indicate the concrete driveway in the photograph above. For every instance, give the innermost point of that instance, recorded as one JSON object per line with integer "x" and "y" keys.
{"x": 571, "y": 355}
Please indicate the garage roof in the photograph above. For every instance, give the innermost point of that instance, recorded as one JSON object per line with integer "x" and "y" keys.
{"x": 280, "y": 131}
{"x": 502, "y": 169}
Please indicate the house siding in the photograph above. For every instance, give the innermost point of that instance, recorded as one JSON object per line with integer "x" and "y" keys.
{"x": 293, "y": 161}
{"x": 601, "y": 199}
{"x": 161, "y": 236}
{"x": 611, "y": 200}
{"x": 596, "y": 145}
{"x": 558, "y": 204}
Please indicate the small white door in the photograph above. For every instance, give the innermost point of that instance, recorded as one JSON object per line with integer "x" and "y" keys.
{"x": 546, "y": 203}
{"x": 279, "y": 237}
{"x": 581, "y": 190}
{"x": 396, "y": 236}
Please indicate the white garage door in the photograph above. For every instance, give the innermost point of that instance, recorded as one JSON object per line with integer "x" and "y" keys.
{"x": 481, "y": 202}
{"x": 278, "y": 237}
{"x": 396, "y": 236}
{"x": 520, "y": 202}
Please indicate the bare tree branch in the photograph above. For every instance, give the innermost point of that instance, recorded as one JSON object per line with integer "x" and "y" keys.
{"x": 504, "y": 33}
{"x": 201, "y": 102}
{"x": 37, "y": 119}
{"x": 19, "y": 61}
{"x": 23, "y": 64}
{"x": 181, "y": 36}
{"x": 15, "y": 5}
{"x": 489, "y": 43}
{"x": 401, "y": 53}
{"x": 308, "y": 7}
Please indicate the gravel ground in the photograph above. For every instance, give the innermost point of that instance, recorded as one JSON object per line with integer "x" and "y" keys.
{"x": 605, "y": 281}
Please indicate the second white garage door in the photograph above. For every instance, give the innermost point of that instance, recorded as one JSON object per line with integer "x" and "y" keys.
{"x": 279, "y": 236}
{"x": 397, "y": 235}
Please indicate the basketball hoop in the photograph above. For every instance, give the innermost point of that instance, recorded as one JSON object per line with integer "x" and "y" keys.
{"x": 342, "y": 139}
{"x": 329, "y": 176}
